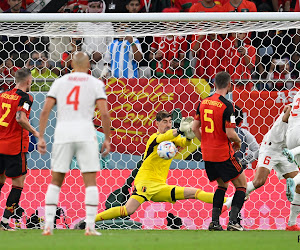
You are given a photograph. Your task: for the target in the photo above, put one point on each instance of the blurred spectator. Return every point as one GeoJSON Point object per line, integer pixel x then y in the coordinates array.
{"type": "Point", "coordinates": [168, 54]}
{"type": "Point", "coordinates": [264, 5]}
{"type": "Point", "coordinates": [280, 69]}
{"type": "Point", "coordinates": [239, 6]}
{"type": "Point", "coordinates": [115, 6]}
{"type": "Point", "coordinates": [122, 58]}
{"type": "Point", "coordinates": [249, 147]}
{"type": "Point", "coordinates": [66, 59]}
{"type": "Point", "coordinates": [281, 5]}
{"type": "Point", "coordinates": [209, 52]}
{"type": "Point", "coordinates": [296, 65]}
{"type": "Point", "coordinates": [155, 5]}
{"type": "Point", "coordinates": [76, 6]}
{"type": "Point", "coordinates": [133, 6]}
{"type": "Point", "coordinates": [239, 59]}
{"type": "Point", "coordinates": [96, 47]}
{"type": "Point", "coordinates": [8, 70]}
{"type": "Point", "coordinates": [16, 6]}
{"type": "Point", "coordinates": [297, 6]}
{"type": "Point", "coordinates": [184, 5]}
{"type": "Point", "coordinates": [41, 69]}
{"type": "Point", "coordinates": [206, 6]}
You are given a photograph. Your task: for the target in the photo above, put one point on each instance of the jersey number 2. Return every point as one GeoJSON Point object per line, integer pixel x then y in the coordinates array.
{"type": "Point", "coordinates": [73, 96]}
{"type": "Point", "coordinates": [211, 128]}
{"type": "Point", "coordinates": [6, 106]}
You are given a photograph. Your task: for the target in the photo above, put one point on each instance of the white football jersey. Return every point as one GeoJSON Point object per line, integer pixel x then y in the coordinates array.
{"type": "Point", "coordinates": [76, 94]}
{"type": "Point", "coordinates": [277, 134]}
{"type": "Point", "coordinates": [294, 119]}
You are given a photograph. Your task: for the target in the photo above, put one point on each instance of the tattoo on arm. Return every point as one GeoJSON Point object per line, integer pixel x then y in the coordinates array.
{"type": "Point", "coordinates": [18, 115]}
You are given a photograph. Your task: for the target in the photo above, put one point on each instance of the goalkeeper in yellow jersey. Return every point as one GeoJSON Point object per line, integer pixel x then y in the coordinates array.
{"type": "Point", "coordinates": [150, 182]}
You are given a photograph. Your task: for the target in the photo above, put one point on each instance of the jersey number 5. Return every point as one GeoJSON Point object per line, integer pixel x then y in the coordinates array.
{"type": "Point", "coordinates": [73, 96]}
{"type": "Point", "coordinates": [6, 106]}
{"type": "Point", "coordinates": [211, 127]}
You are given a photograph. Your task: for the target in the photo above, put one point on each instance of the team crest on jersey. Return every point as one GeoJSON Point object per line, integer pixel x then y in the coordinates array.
{"type": "Point", "coordinates": [144, 189]}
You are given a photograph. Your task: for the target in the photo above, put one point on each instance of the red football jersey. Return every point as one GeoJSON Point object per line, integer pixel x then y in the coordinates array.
{"type": "Point", "coordinates": [199, 7]}
{"type": "Point", "coordinates": [245, 6]}
{"type": "Point", "coordinates": [184, 5]}
{"type": "Point", "coordinates": [13, 138]}
{"type": "Point", "coordinates": [216, 114]}
{"type": "Point", "coordinates": [235, 64]}
{"type": "Point", "coordinates": [209, 57]}
{"type": "Point", "coordinates": [171, 47]}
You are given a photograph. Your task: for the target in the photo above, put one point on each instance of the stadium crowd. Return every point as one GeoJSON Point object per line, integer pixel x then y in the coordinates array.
{"type": "Point", "coordinates": [251, 58]}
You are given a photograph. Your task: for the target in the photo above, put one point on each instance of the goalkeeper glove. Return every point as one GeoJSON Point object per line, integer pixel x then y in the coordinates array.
{"type": "Point", "coordinates": [186, 127]}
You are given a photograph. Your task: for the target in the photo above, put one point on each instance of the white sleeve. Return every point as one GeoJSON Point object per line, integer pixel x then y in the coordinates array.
{"type": "Point", "coordinates": [53, 89]}
{"type": "Point", "coordinates": [138, 45]}
{"type": "Point", "coordinates": [253, 148]}
{"type": "Point", "coordinates": [100, 90]}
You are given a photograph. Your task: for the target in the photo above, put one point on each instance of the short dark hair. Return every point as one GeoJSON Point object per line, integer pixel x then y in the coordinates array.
{"type": "Point", "coordinates": [128, 1]}
{"type": "Point", "coordinates": [22, 74]}
{"type": "Point", "coordinates": [238, 113]}
{"type": "Point", "coordinates": [162, 115]}
{"type": "Point", "coordinates": [222, 79]}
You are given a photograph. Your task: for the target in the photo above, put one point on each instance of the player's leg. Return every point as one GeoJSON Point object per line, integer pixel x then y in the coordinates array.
{"type": "Point", "coordinates": [61, 158]}
{"type": "Point", "coordinates": [130, 207]}
{"type": "Point", "coordinates": [295, 205]}
{"type": "Point", "coordinates": [16, 168]}
{"type": "Point", "coordinates": [2, 182]}
{"type": "Point", "coordinates": [2, 170]}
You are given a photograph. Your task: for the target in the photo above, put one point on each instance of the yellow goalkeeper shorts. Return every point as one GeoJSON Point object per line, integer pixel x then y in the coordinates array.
{"type": "Point", "coordinates": [158, 192]}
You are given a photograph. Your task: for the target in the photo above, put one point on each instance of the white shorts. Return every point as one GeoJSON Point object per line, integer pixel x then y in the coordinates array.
{"type": "Point", "coordinates": [271, 158]}
{"type": "Point", "coordinates": [86, 153]}
{"type": "Point", "coordinates": [293, 140]}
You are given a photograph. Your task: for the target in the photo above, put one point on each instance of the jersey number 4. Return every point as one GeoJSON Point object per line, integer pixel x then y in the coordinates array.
{"type": "Point", "coordinates": [211, 127]}
{"type": "Point", "coordinates": [7, 108]}
{"type": "Point", "coordinates": [72, 98]}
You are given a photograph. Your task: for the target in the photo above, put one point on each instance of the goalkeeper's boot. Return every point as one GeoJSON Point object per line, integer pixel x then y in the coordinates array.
{"type": "Point", "coordinates": [5, 227]}
{"type": "Point", "coordinates": [80, 225]}
{"type": "Point", "coordinates": [47, 231]}
{"type": "Point", "coordinates": [234, 226]}
{"type": "Point", "coordinates": [91, 232]}
{"type": "Point", "coordinates": [292, 228]}
{"type": "Point", "coordinates": [227, 204]}
{"type": "Point", "coordinates": [215, 226]}
{"type": "Point", "coordinates": [289, 155]}
{"type": "Point", "coordinates": [290, 189]}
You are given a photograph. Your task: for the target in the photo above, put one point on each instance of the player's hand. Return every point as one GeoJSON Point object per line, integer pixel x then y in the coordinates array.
{"type": "Point", "coordinates": [236, 146]}
{"type": "Point", "coordinates": [105, 149]}
{"type": "Point", "coordinates": [186, 127]}
{"type": "Point", "coordinates": [42, 145]}
{"type": "Point", "coordinates": [36, 134]}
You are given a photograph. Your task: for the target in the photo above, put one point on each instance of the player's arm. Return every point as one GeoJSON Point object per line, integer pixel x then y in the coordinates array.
{"type": "Point", "coordinates": [21, 118]}
{"type": "Point", "coordinates": [233, 137]}
{"type": "Point", "coordinates": [287, 111]}
{"type": "Point", "coordinates": [229, 120]}
{"type": "Point", "coordinates": [49, 104]}
{"type": "Point", "coordinates": [253, 148]}
{"type": "Point", "coordinates": [105, 118]}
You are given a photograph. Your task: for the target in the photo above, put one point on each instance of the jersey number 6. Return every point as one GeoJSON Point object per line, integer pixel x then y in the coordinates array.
{"type": "Point", "coordinates": [73, 96]}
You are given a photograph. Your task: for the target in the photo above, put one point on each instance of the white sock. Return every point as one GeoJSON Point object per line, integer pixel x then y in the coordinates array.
{"type": "Point", "coordinates": [294, 210]}
{"type": "Point", "coordinates": [91, 205]}
{"type": "Point", "coordinates": [228, 202]}
{"type": "Point", "coordinates": [250, 187]}
{"type": "Point", "coordinates": [297, 179]}
{"type": "Point", "coordinates": [51, 201]}
{"type": "Point", "coordinates": [295, 151]}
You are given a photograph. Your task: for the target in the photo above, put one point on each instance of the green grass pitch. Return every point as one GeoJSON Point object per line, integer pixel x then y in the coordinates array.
{"type": "Point", "coordinates": [150, 239]}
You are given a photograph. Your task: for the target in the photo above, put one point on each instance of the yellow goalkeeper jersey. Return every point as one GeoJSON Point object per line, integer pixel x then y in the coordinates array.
{"type": "Point", "coordinates": [155, 168]}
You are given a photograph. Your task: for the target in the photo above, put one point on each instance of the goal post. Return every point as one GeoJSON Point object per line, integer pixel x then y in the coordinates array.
{"type": "Point", "coordinates": [200, 45]}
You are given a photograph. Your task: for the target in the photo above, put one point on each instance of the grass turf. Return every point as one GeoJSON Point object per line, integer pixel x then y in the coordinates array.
{"type": "Point", "coordinates": [150, 239]}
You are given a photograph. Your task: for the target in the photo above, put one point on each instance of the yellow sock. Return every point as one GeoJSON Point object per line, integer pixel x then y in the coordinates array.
{"type": "Point", "coordinates": [205, 196]}
{"type": "Point", "coordinates": [112, 213]}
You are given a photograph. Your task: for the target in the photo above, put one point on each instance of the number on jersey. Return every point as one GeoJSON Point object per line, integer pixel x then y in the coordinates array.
{"type": "Point", "coordinates": [72, 98]}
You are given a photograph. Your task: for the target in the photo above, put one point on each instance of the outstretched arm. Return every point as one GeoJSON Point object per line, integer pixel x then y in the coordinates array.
{"type": "Point", "coordinates": [24, 123]}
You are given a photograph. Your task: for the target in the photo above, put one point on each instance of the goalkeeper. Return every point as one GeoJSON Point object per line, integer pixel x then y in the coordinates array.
{"type": "Point", "coordinates": [150, 182]}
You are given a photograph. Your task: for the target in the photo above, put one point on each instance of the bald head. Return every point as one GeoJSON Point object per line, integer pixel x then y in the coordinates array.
{"type": "Point", "coordinates": [80, 62]}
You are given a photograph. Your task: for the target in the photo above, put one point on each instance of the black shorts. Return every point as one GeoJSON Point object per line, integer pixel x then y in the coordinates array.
{"type": "Point", "coordinates": [13, 166]}
{"type": "Point", "coordinates": [226, 170]}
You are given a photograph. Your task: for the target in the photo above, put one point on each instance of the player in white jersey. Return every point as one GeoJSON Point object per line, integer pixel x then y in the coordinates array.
{"type": "Point", "coordinates": [292, 152]}
{"type": "Point", "coordinates": [270, 157]}
{"type": "Point", "coordinates": [75, 95]}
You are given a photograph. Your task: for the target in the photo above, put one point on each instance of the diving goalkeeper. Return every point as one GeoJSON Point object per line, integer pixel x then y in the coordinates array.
{"type": "Point", "coordinates": [150, 182]}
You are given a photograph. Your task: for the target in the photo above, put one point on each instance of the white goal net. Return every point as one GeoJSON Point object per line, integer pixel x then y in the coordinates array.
{"type": "Point", "coordinates": [153, 62]}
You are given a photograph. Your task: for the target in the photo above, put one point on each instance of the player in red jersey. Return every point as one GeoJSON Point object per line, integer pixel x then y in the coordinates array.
{"type": "Point", "coordinates": [15, 107]}
{"type": "Point", "coordinates": [239, 6]}
{"type": "Point", "coordinates": [206, 6]}
{"type": "Point", "coordinates": [214, 126]}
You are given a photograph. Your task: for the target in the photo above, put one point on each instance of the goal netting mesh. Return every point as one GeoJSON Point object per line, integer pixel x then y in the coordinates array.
{"type": "Point", "coordinates": [156, 61]}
